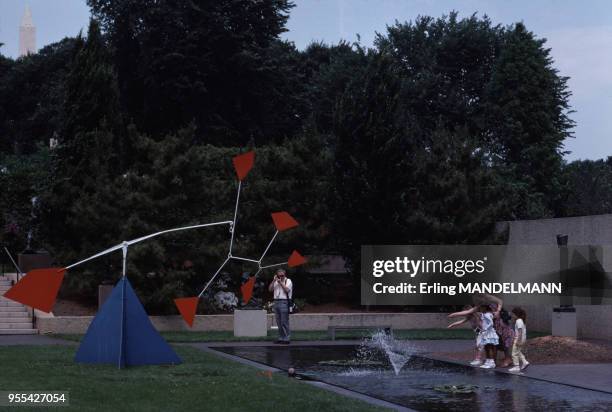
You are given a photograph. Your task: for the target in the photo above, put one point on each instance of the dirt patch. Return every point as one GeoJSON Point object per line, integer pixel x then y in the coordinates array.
{"type": "Point", "coordinates": [552, 350]}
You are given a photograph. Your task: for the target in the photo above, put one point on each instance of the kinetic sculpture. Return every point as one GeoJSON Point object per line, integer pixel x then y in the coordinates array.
{"type": "Point", "coordinates": [282, 221]}
{"type": "Point", "coordinates": [121, 333]}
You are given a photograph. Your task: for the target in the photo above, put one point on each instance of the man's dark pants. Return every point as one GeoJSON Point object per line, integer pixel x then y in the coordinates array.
{"type": "Point", "coordinates": [281, 310]}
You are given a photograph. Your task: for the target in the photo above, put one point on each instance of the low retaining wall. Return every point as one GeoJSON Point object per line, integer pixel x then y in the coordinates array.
{"type": "Point", "coordinates": [299, 321]}
{"type": "Point", "coordinates": [594, 322]}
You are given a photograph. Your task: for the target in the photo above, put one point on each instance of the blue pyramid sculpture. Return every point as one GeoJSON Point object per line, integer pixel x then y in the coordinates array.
{"type": "Point", "coordinates": [122, 334]}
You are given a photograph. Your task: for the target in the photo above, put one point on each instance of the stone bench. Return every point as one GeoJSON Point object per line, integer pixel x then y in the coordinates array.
{"type": "Point", "coordinates": [331, 330]}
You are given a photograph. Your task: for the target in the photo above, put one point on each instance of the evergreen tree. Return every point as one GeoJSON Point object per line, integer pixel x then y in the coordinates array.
{"type": "Point", "coordinates": [22, 179]}
{"type": "Point", "coordinates": [587, 188]}
{"type": "Point", "coordinates": [5, 67]}
{"type": "Point", "coordinates": [32, 96]}
{"type": "Point", "coordinates": [373, 161]}
{"type": "Point", "coordinates": [399, 184]}
{"type": "Point", "coordinates": [445, 64]}
{"type": "Point", "coordinates": [327, 71]}
{"type": "Point", "coordinates": [91, 104]}
{"type": "Point", "coordinates": [219, 64]}
{"type": "Point", "coordinates": [499, 85]}
{"type": "Point", "coordinates": [89, 156]}
{"type": "Point", "coordinates": [527, 121]}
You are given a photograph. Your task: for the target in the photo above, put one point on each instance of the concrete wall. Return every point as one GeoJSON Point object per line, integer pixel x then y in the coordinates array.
{"type": "Point", "coordinates": [299, 321]}
{"type": "Point", "coordinates": [582, 230]}
{"type": "Point", "coordinates": [594, 322]}
{"type": "Point", "coordinates": [539, 317]}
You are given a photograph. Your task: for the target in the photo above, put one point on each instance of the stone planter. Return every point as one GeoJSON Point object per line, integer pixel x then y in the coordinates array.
{"type": "Point", "coordinates": [564, 322]}
{"type": "Point", "coordinates": [250, 323]}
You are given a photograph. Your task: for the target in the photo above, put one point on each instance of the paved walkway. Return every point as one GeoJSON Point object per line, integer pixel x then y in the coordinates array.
{"type": "Point", "coordinates": [597, 376]}
{"type": "Point", "coordinates": [594, 376]}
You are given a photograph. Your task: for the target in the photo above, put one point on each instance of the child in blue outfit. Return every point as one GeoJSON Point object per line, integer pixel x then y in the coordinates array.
{"type": "Point", "coordinates": [488, 336]}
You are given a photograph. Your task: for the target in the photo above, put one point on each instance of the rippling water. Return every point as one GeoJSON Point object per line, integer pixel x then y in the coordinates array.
{"type": "Point", "coordinates": [419, 384]}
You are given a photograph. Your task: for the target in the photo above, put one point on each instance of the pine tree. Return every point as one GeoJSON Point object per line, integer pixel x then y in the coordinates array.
{"type": "Point", "coordinates": [90, 155]}
{"type": "Point", "coordinates": [219, 64]}
{"type": "Point", "coordinates": [91, 104]}
{"type": "Point", "coordinates": [527, 121]}
{"type": "Point", "coordinates": [587, 188]}
{"type": "Point", "coordinates": [372, 161]}
{"type": "Point", "coordinates": [397, 183]}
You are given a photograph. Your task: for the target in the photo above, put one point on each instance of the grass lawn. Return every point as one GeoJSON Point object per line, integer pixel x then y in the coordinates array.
{"type": "Point", "coordinates": [202, 382]}
{"type": "Point", "coordinates": [228, 336]}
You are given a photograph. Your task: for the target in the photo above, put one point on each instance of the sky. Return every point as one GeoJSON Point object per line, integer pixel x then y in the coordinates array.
{"type": "Point", "coordinates": [578, 32]}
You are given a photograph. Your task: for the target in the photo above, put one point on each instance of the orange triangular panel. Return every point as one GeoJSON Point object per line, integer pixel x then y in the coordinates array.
{"type": "Point", "coordinates": [187, 308]}
{"type": "Point", "coordinates": [38, 288]}
{"type": "Point", "coordinates": [283, 221]}
{"type": "Point", "coordinates": [243, 164]}
{"type": "Point", "coordinates": [296, 259]}
{"type": "Point", "coordinates": [247, 289]}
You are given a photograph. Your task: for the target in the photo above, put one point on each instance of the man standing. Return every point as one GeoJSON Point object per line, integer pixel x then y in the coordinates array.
{"type": "Point", "coordinates": [282, 288]}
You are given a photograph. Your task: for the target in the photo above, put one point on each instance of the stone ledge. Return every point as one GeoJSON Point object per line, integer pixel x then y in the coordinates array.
{"type": "Point", "coordinates": [299, 321]}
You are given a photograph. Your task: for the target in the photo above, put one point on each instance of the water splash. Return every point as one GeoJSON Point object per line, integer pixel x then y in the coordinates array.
{"type": "Point", "coordinates": [356, 372]}
{"type": "Point", "coordinates": [398, 352]}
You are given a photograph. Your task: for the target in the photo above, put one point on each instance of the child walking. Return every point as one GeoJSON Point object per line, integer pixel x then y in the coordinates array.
{"type": "Point", "coordinates": [488, 336]}
{"type": "Point", "coordinates": [520, 336]}
{"type": "Point", "coordinates": [474, 319]}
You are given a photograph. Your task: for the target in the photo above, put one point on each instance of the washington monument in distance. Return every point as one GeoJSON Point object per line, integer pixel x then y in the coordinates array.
{"type": "Point", "coordinates": [27, 34]}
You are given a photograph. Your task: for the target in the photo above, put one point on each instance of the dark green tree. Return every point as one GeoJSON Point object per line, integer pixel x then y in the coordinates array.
{"type": "Point", "coordinates": [445, 64]}
{"type": "Point", "coordinates": [5, 68]}
{"type": "Point", "coordinates": [372, 161]}
{"type": "Point", "coordinates": [499, 85]}
{"type": "Point", "coordinates": [90, 155]}
{"type": "Point", "coordinates": [399, 184]}
{"type": "Point", "coordinates": [32, 96]}
{"type": "Point", "coordinates": [527, 106]}
{"type": "Point", "coordinates": [219, 64]}
{"type": "Point", "coordinates": [22, 178]}
{"type": "Point", "coordinates": [327, 70]}
{"type": "Point", "coordinates": [587, 188]}
{"type": "Point", "coordinates": [91, 103]}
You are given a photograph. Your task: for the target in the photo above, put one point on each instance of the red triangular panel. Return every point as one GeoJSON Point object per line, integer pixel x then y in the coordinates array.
{"type": "Point", "coordinates": [296, 259]}
{"type": "Point", "coordinates": [187, 308]}
{"type": "Point", "coordinates": [247, 289]}
{"type": "Point", "coordinates": [38, 288]}
{"type": "Point", "coordinates": [283, 221]}
{"type": "Point", "coordinates": [243, 164]}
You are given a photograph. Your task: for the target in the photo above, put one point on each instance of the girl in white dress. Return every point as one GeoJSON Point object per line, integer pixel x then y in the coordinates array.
{"type": "Point", "coordinates": [473, 316]}
{"type": "Point", "coordinates": [488, 336]}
